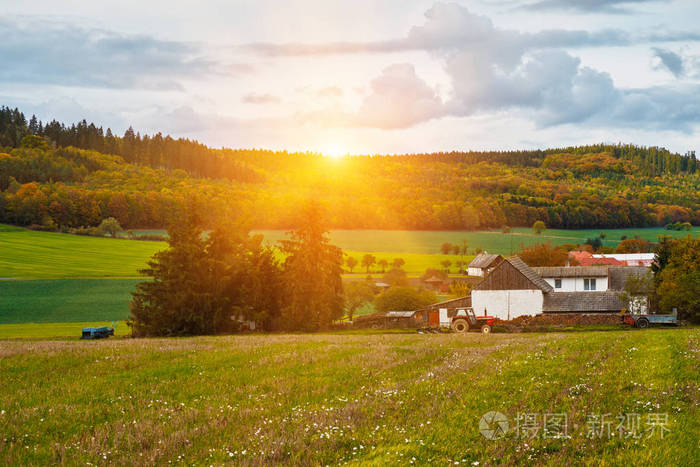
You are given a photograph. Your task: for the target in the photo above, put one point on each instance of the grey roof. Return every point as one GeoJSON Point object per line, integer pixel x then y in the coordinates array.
{"type": "Point", "coordinates": [483, 260]}
{"type": "Point", "coordinates": [528, 272]}
{"type": "Point", "coordinates": [400, 314]}
{"type": "Point", "coordinates": [572, 271]}
{"type": "Point", "coordinates": [581, 302]}
{"type": "Point", "coordinates": [618, 275]}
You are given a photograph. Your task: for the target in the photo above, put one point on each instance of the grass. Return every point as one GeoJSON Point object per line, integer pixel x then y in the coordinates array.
{"type": "Point", "coordinates": [378, 399]}
{"type": "Point", "coordinates": [65, 300]}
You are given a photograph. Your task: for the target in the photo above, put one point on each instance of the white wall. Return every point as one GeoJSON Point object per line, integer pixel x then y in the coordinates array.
{"type": "Point", "coordinates": [475, 272]}
{"type": "Point", "coordinates": [575, 284]}
{"type": "Point", "coordinates": [507, 304]}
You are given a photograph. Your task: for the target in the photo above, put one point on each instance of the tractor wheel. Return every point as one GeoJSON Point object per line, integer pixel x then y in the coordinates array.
{"type": "Point", "coordinates": [642, 323]}
{"type": "Point", "coordinates": [486, 329]}
{"type": "Point", "coordinates": [460, 325]}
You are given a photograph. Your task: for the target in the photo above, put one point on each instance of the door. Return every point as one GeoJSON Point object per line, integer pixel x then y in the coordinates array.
{"type": "Point", "coordinates": [433, 318]}
{"type": "Point", "coordinates": [444, 319]}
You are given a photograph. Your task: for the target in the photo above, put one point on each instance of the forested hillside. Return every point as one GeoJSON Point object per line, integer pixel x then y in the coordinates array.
{"type": "Point", "coordinates": [55, 176]}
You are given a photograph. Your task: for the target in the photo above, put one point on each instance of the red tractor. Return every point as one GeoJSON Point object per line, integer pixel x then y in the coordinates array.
{"type": "Point", "coordinates": [465, 320]}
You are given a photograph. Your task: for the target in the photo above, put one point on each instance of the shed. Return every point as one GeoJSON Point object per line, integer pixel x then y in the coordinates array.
{"type": "Point", "coordinates": [442, 312]}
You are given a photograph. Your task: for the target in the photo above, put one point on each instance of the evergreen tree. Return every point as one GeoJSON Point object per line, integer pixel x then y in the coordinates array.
{"type": "Point", "coordinates": [312, 274]}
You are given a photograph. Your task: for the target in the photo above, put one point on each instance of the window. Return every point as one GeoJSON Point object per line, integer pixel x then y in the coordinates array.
{"type": "Point", "coordinates": [557, 283]}
{"type": "Point", "coordinates": [589, 284]}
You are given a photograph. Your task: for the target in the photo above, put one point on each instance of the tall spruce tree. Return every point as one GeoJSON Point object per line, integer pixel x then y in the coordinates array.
{"type": "Point", "coordinates": [312, 269]}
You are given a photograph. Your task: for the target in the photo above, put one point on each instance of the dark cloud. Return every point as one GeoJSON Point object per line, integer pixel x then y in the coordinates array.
{"type": "Point", "coordinates": [62, 54]}
{"type": "Point", "coordinates": [253, 98]}
{"type": "Point", "coordinates": [588, 6]}
{"type": "Point", "coordinates": [669, 60]}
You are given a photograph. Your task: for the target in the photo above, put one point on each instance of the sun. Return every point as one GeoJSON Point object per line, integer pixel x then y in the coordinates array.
{"type": "Point", "coordinates": [335, 152]}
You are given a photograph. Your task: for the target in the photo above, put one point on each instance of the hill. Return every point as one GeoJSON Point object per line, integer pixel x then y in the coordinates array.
{"type": "Point", "coordinates": [57, 177]}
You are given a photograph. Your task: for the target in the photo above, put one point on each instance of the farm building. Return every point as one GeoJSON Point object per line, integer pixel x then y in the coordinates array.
{"type": "Point", "coordinates": [586, 258]}
{"type": "Point", "coordinates": [514, 289]}
{"type": "Point", "coordinates": [440, 314]}
{"type": "Point", "coordinates": [483, 263]}
{"type": "Point", "coordinates": [575, 278]}
{"type": "Point", "coordinates": [510, 290]}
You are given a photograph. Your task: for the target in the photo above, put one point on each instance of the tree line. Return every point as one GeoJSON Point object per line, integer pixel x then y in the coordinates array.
{"type": "Point", "coordinates": [44, 181]}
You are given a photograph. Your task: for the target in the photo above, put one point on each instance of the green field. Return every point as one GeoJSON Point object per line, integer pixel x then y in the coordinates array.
{"type": "Point", "coordinates": [26, 254]}
{"type": "Point", "coordinates": [407, 241]}
{"type": "Point", "coordinates": [65, 300]}
{"type": "Point", "coordinates": [361, 399]}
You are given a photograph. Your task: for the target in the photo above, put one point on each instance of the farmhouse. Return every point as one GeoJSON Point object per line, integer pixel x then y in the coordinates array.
{"type": "Point", "coordinates": [483, 263]}
{"type": "Point", "coordinates": [514, 289]}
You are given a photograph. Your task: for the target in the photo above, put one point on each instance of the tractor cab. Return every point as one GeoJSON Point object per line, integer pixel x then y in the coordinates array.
{"type": "Point", "coordinates": [465, 320]}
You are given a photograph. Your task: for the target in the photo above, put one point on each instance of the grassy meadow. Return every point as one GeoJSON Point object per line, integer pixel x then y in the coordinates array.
{"type": "Point", "coordinates": [377, 399]}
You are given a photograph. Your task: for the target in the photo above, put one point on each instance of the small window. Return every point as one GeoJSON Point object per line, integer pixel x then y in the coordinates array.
{"type": "Point", "coordinates": [557, 283]}
{"type": "Point", "coordinates": [589, 284]}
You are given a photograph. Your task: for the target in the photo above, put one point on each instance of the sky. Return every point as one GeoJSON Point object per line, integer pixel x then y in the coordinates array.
{"type": "Point", "coordinates": [360, 76]}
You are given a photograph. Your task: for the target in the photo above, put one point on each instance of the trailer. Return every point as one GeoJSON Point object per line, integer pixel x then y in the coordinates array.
{"type": "Point", "coordinates": [97, 333]}
{"type": "Point", "coordinates": [643, 321]}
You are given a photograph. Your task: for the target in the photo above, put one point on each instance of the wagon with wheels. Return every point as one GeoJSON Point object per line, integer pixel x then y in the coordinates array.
{"type": "Point", "coordinates": [643, 321]}
{"type": "Point", "coordinates": [466, 320]}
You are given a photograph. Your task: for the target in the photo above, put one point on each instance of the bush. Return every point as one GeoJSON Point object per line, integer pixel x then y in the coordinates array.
{"type": "Point", "coordinates": [404, 299]}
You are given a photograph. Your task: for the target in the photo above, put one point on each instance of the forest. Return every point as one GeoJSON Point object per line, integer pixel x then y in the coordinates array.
{"type": "Point", "coordinates": [54, 177]}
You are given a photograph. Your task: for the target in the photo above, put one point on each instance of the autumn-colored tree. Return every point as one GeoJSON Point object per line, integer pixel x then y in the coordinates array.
{"type": "Point", "coordinates": [398, 263]}
{"type": "Point", "coordinates": [538, 227]}
{"type": "Point", "coordinates": [543, 254]}
{"type": "Point", "coordinates": [382, 263]}
{"type": "Point", "coordinates": [633, 245]}
{"type": "Point", "coordinates": [445, 248]}
{"type": "Point", "coordinates": [446, 264]}
{"type": "Point", "coordinates": [677, 275]}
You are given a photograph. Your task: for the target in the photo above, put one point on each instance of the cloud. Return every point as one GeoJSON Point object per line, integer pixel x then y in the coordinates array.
{"type": "Point", "coordinates": [399, 99]}
{"type": "Point", "coordinates": [449, 26]}
{"type": "Point", "coordinates": [587, 6]}
{"type": "Point", "coordinates": [669, 60]}
{"type": "Point", "coordinates": [253, 98]}
{"type": "Point", "coordinates": [42, 52]}
{"type": "Point", "coordinates": [503, 72]}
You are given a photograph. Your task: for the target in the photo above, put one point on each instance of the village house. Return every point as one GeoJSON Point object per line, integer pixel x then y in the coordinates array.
{"type": "Point", "coordinates": [514, 289]}
{"type": "Point", "coordinates": [483, 263]}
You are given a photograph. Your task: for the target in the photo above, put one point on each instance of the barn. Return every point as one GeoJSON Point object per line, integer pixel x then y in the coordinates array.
{"type": "Point", "coordinates": [510, 290]}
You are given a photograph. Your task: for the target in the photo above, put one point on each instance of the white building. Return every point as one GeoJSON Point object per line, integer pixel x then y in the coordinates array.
{"type": "Point", "coordinates": [575, 278]}
{"type": "Point", "coordinates": [514, 289]}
